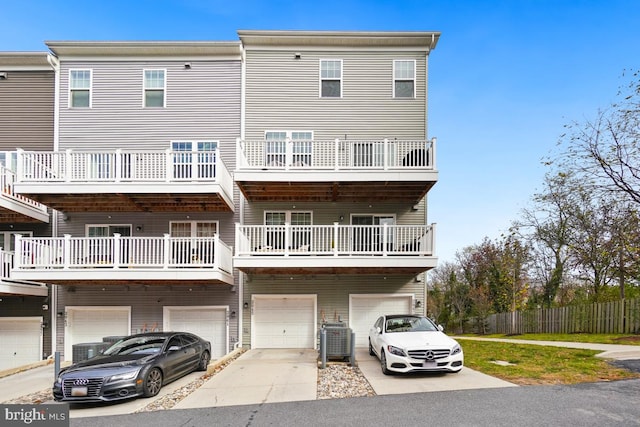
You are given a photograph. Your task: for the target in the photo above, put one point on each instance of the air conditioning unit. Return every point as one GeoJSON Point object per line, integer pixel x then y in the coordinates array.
{"type": "Point", "coordinates": [338, 340]}
{"type": "Point", "coordinates": [87, 350]}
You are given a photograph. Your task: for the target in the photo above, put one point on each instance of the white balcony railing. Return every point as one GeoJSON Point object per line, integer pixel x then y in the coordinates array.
{"type": "Point", "coordinates": [122, 252]}
{"type": "Point", "coordinates": [338, 154]}
{"type": "Point", "coordinates": [6, 263]}
{"type": "Point", "coordinates": [335, 240]}
{"type": "Point", "coordinates": [7, 181]}
{"type": "Point", "coordinates": [122, 166]}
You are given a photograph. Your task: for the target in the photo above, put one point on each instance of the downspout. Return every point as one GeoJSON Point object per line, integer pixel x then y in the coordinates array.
{"type": "Point", "coordinates": [241, 196]}
{"type": "Point", "coordinates": [53, 306]}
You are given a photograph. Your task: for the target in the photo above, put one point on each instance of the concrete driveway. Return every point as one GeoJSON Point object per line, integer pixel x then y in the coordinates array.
{"type": "Point", "coordinates": [260, 376]}
{"type": "Point", "coordinates": [422, 382]}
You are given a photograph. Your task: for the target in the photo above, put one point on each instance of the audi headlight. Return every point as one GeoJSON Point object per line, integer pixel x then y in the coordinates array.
{"type": "Point", "coordinates": [129, 375]}
{"type": "Point", "coordinates": [396, 350]}
{"type": "Point", "coordinates": [456, 349]}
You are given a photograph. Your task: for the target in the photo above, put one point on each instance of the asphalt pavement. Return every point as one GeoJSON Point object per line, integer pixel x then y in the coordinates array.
{"type": "Point", "coordinates": [259, 377]}
{"type": "Point", "coordinates": [614, 403]}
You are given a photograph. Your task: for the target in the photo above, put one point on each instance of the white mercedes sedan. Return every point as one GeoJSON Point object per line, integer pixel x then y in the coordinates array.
{"type": "Point", "coordinates": [411, 343]}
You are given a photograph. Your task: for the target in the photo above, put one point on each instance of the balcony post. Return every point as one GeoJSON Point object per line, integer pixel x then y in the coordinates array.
{"type": "Point", "coordinates": [287, 238]}
{"type": "Point", "coordinates": [68, 166]}
{"type": "Point", "coordinates": [336, 161]}
{"type": "Point", "coordinates": [167, 250]}
{"type": "Point", "coordinates": [385, 238]}
{"type": "Point", "coordinates": [216, 251]}
{"type": "Point", "coordinates": [335, 241]}
{"type": "Point", "coordinates": [385, 154]}
{"type": "Point", "coordinates": [118, 165]}
{"type": "Point", "coordinates": [17, 259]}
{"type": "Point", "coordinates": [20, 158]}
{"type": "Point", "coordinates": [432, 153]}
{"type": "Point", "coordinates": [433, 239]}
{"type": "Point", "coordinates": [239, 162]}
{"type": "Point", "coordinates": [168, 174]}
{"type": "Point", "coordinates": [288, 153]}
{"type": "Point", "coordinates": [66, 251]}
{"type": "Point", "coordinates": [116, 250]}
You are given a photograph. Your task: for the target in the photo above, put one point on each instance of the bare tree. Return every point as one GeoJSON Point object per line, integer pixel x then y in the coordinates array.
{"type": "Point", "coordinates": [605, 150]}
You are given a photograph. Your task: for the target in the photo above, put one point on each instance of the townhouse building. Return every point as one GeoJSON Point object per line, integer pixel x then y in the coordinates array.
{"type": "Point", "coordinates": [334, 164]}
{"type": "Point", "coordinates": [26, 121]}
{"type": "Point", "coordinates": [247, 191]}
{"type": "Point", "coordinates": [140, 182]}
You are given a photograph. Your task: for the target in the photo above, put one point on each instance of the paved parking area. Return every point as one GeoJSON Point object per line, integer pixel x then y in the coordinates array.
{"type": "Point", "coordinates": [260, 376]}
{"type": "Point", "coordinates": [422, 382]}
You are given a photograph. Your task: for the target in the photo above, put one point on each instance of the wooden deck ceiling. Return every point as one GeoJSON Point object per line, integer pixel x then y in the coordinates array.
{"type": "Point", "coordinates": [396, 191]}
{"type": "Point", "coordinates": [143, 202]}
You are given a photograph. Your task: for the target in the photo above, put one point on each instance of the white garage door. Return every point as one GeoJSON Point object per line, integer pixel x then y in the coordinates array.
{"type": "Point", "coordinates": [21, 339]}
{"type": "Point", "coordinates": [364, 310]}
{"type": "Point", "coordinates": [283, 321]}
{"type": "Point", "coordinates": [91, 324]}
{"type": "Point", "coordinates": [208, 322]}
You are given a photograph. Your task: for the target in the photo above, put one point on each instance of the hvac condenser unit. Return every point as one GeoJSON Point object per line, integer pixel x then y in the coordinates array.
{"type": "Point", "coordinates": [87, 350]}
{"type": "Point", "coordinates": [338, 340]}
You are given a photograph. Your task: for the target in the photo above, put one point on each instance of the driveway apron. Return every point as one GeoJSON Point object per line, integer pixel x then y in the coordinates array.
{"type": "Point", "coordinates": [260, 376]}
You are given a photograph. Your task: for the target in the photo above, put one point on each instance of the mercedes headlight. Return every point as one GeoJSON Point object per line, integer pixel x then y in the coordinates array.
{"type": "Point", "coordinates": [396, 350]}
{"type": "Point", "coordinates": [456, 349]}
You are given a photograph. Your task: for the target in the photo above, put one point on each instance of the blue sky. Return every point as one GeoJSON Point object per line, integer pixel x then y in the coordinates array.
{"type": "Point", "coordinates": [504, 78]}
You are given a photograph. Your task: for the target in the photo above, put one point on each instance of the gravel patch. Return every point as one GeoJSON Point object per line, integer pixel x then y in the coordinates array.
{"type": "Point", "coordinates": [339, 381]}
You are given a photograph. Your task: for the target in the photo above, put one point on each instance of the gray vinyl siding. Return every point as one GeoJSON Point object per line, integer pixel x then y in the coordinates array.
{"type": "Point", "coordinates": [202, 103]}
{"type": "Point", "coordinates": [283, 94]}
{"type": "Point", "coordinates": [156, 224]}
{"type": "Point", "coordinates": [27, 110]}
{"type": "Point", "coordinates": [328, 213]}
{"type": "Point", "coordinates": [147, 303]}
{"type": "Point", "coordinates": [332, 290]}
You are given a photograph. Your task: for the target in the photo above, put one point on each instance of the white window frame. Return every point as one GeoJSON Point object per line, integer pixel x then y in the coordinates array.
{"type": "Point", "coordinates": [306, 153]}
{"type": "Point", "coordinates": [375, 240]}
{"type": "Point", "coordinates": [145, 88]}
{"type": "Point", "coordinates": [191, 159]}
{"type": "Point", "coordinates": [10, 237]}
{"type": "Point", "coordinates": [339, 79]}
{"type": "Point", "coordinates": [72, 89]}
{"type": "Point", "coordinates": [287, 220]}
{"type": "Point", "coordinates": [89, 226]}
{"type": "Point", "coordinates": [403, 78]}
{"type": "Point", "coordinates": [9, 160]}
{"type": "Point", "coordinates": [194, 225]}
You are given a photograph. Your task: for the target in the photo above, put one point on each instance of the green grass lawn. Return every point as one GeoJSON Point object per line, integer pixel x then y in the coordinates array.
{"type": "Point", "coordinates": [592, 338]}
{"type": "Point", "coordinates": [528, 364]}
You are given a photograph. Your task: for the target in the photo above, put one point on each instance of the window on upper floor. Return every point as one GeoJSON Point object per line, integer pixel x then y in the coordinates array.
{"type": "Point", "coordinates": [404, 78]}
{"type": "Point", "coordinates": [154, 88]}
{"type": "Point", "coordinates": [80, 88]}
{"type": "Point", "coordinates": [331, 78]}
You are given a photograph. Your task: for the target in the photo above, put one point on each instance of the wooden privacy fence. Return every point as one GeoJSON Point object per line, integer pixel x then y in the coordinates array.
{"type": "Point", "coordinates": [617, 317]}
